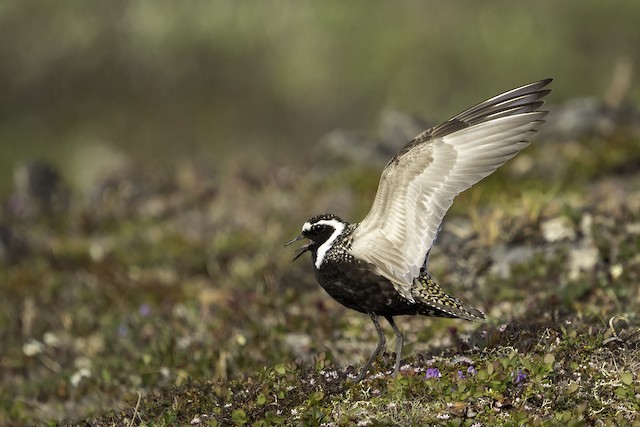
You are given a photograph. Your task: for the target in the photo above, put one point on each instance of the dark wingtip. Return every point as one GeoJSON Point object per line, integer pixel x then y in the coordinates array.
{"type": "Point", "coordinates": [542, 83]}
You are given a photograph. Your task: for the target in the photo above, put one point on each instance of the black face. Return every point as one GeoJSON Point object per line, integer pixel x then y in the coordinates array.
{"type": "Point", "coordinates": [318, 233]}
{"type": "Point", "coordinates": [318, 229]}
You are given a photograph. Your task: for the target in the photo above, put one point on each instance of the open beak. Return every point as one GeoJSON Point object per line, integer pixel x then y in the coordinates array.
{"type": "Point", "coordinates": [300, 250]}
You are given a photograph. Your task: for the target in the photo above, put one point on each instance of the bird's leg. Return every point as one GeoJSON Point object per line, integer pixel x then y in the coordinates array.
{"type": "Point", "coordinates": [399, 343]}
{"type": "Point", "coordinates": [382, 341]}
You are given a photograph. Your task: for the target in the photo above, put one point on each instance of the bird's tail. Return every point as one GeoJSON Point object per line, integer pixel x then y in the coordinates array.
{"type": "Point", "coordinates": [435, 302]}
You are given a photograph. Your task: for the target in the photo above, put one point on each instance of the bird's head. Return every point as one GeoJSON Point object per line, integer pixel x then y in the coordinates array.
{"type": "Point", "coordinates": [319, 230]}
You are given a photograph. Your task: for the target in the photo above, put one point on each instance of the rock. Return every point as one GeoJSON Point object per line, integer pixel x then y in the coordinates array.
{"type": "Point", "coordinates": [557, 229]}
{"type": "Point", "coordinates": [503, 258]}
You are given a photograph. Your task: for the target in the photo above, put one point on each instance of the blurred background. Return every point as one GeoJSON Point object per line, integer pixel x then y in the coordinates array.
{"type": "Point", "coordinates": [87, 83]}
{"type": "Point", "coordinates": [156, 155]}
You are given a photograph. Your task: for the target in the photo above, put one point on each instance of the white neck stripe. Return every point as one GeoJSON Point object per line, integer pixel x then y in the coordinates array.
{"type": "Point", "coordinates": [324, 248]}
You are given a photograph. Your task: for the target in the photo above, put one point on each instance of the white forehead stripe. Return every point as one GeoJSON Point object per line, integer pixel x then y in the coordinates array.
{"type": "Point", "coordinates": [322, 250]}
{"type": "Point", "coordinates": [306, 226]}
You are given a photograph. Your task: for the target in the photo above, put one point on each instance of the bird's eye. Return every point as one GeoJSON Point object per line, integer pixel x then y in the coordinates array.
{"type": "Point", "coordinates": [317, 227]}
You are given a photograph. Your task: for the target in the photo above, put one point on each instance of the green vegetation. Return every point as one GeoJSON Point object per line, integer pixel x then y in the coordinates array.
{"type": "Point", "coordinates": [147, 284]}
{"type": "Point", "coordinates": [170, 300]}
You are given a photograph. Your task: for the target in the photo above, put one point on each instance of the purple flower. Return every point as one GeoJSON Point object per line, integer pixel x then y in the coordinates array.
{"type": "Point", "coordinates": [470, 370]}
{"type": "Point", "coordinates": [144, 310]}
{"type": "Point", "coordinates": [520, 376]}
{"type": "Point", "coordinates": [123, 331]}
{"type": "Point", "coordinates": [433, 373]}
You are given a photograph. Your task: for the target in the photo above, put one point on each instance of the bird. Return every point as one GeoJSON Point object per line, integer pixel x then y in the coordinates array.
{"type": "Point", "coordinates": [378, 266]}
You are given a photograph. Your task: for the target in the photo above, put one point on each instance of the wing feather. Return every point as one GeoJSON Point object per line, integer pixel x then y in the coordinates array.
{"type": "Point", "coordinates": [419, 184]}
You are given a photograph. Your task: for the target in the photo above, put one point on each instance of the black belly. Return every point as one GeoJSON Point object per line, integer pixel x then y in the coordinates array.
{"type": "Point", "coordinates": [364, 291]}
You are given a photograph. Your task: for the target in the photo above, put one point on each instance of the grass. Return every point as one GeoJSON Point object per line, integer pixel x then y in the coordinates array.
{"type": "Point", "coordinates": [168, 299]}
{"type": "Point", "coordinates": [160, 294]}
{"type": "Point", "coordinates": [569, 373]}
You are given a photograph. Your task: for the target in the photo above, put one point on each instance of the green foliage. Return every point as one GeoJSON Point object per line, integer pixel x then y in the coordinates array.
{"type": "Point", "coordinates": [165, 300]}
{"type": "Point", "coordinates": [205, 321]}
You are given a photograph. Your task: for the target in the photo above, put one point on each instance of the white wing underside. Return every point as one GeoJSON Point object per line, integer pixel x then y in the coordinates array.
{"type": "Point", "coordinates": [418, 186]}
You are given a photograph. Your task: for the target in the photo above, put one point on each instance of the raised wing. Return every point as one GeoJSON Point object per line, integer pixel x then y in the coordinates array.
{"type": "Point", "coordinates": [419, 184]}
